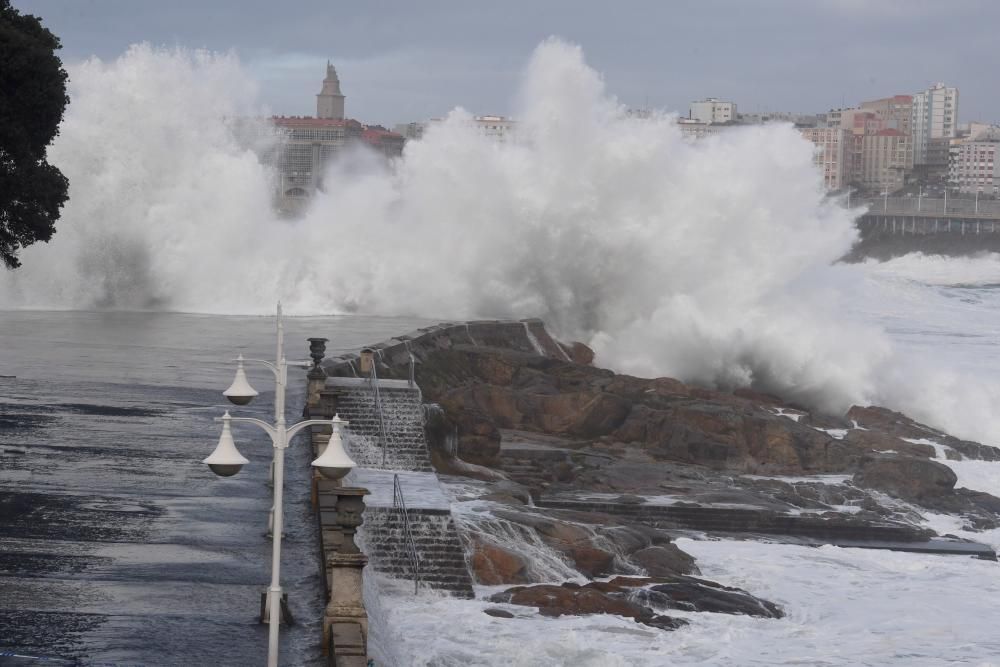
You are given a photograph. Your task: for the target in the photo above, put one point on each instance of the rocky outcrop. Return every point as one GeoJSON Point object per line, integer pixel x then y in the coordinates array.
{"type": "Point", "coordinates": [492, 564]}
{"type": "Point", "coordinates": [575, 600]}
{"type": "Point", "coordinates": [909, 478]}
{"type": "Point", "coordinates": [640, 599]}
{"type": "Point", "coordinates": [507, 397]}
{"type": "Point", "coordinates": [897, 424]}
{"type": "Point", "coordinates": [663, 560]}
{"type": "Point", "coordinates": [690, 594]}
{"type": "Point", "coordinates": [591, 543]}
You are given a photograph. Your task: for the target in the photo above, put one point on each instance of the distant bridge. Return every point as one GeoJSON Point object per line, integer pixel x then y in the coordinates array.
{"type": "Point", "coordinates": [894, 226]}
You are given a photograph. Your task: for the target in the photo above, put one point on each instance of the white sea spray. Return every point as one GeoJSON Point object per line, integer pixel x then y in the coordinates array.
{"type": "Point", "coordinates": [711, 261]}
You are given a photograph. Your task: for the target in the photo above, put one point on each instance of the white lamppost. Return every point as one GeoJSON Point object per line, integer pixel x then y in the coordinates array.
{"type": "Point", "coordinates": [978, 190]}
{"type": "Point", "coordinates": [226, 461]}
{"type": "Point", "coordinates": [885, 200]}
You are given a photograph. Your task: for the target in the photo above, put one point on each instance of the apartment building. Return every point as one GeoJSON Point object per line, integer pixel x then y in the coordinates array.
{"type": "Point", "coordinates": [832, 155]}
{"type": "Point", "coordinates": [934, 124]}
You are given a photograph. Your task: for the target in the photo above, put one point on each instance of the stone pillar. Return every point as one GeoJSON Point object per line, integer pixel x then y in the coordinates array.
{"type": "Point", "coordinates": [316, 376]}
{"type": "Point", "coordinates": [345, 619]}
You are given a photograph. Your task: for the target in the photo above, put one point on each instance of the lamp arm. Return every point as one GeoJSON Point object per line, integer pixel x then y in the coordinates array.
{"type": "Point", "coordinates": [274, 369]}
{"type": "Point", "coordinates": [271, 431]}
{"type": "Point", "coordinates": [295, 428]}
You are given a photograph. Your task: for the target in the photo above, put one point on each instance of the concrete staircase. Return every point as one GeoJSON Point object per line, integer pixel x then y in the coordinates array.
{"type": "Point", "coordinates": [402, 412]}
{"type": "Point", "coordinates": [439, 551]}
{"type": "Point", "coordinates": [532, 473]}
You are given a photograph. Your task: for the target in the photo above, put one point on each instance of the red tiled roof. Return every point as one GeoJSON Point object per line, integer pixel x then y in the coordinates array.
{"type": "Point", "coordinates": [890, 132]}
{"type": "Point", "coordinates": [372, 134]}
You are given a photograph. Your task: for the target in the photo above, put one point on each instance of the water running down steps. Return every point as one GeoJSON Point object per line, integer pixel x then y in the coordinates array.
{"type": "Point", "coordinates": [403, 417]}
{"type": "Point", "coordinates": [384, 532]}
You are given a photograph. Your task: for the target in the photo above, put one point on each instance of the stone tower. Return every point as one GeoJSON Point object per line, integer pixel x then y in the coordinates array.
{"type": "Point", "coordinates": [330, 101]}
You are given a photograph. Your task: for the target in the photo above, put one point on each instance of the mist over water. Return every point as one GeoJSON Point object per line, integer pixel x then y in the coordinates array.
{"type": "Point", "coordinates": [711, 261]}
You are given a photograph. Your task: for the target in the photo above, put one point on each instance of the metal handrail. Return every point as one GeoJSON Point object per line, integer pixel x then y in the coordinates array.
{"type": "Point", "coordinates": [399, 504]}
{"type": "Point", "coordinates": [412, 362]}
{"type": "Point", "coordinates": [373, 378]}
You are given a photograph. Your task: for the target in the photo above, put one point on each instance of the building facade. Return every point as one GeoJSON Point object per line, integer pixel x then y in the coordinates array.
{"type": "Point", "coordinates": [934, 124]}
{"type": "Point", "coordinates": [712, 110]}
{"type": "Point", "coordinates": [832, 156]}
{"type": "Point", "coordinates": [974, 165]}
{"type": "Point", "coordinates": [498, 128]}
{"type": "Point", "coordinates": [883, 159]}
{"type": "Point", "coordinates": [696, 129]}
{"type": "Point", "coordinates": [306, 145]}
{"type": "Point", "coordinates": [895, 113]}
{"type": "Point", "coordinates": [388, 143]}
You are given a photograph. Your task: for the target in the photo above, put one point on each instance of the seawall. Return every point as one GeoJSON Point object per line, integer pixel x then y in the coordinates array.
{"type": "Point", "coordinates": [528, 335]}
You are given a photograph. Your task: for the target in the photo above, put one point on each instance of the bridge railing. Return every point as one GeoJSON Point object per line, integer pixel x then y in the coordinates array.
{"type": "Point", "coordinates": [926, 206]}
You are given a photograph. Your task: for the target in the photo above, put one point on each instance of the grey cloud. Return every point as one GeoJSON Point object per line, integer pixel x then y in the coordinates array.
{"type": "Point", "coordinates": [407, 60]}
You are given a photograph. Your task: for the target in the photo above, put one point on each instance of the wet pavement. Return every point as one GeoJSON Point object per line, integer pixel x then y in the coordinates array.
{"type": "Point", "coordinates": [117, 545]}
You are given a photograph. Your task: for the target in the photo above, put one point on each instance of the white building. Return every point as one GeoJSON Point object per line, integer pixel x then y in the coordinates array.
{"type": "Point", "coordinates": [498, 128]}
{"type": "Point", "coordinates": [833, 154]}
{"type": "Point", "coordinates": [696, 129]}
{"type": "Point", "coordinates": [712, 110]}
{"type": "Point", "coordinates": [975, 163]}
{"type": "Point", "coordinates": [935, 121]}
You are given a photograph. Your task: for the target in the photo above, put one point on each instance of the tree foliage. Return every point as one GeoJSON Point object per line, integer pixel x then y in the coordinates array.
{"type": "Point", "coordinates": [32, 100]}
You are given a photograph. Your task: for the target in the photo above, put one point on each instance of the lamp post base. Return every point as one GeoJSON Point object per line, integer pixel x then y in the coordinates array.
{"type": "Point", "coordinates": [265, 610]}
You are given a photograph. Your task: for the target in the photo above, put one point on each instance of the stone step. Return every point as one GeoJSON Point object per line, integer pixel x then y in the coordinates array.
{"type": "Point", "coordinates": [429, 548]}
{"type": "Point", "coordinates": [426, 574]}
{"type": "Point", "coordinates": [386, 553]}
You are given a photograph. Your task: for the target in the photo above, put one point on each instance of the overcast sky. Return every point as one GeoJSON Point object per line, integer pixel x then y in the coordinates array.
{"type": "Point", "coordinates": [414, 59]}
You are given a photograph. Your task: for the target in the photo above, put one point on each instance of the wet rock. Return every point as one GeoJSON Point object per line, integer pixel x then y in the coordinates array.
{"type": "Point", "coordinates": [574, 600]}
{"type": "Point", "coordinates": [498, 613]}
{"type": "Point", "coordinates": [451, 465]}
{"type": "Point", "coordinates": [578, 543]}
{"type": "Point", "coordinates": [492, 564]}
{"type": "Point", "coordinates": [664, 560]}
{"type": "Point", "coordinates": [580, 353]}
{"type": "Point", "coordinates": [508, 492]}
{"type": "Point", "coordinates": [564, 472]}
{"type": "Point", "coordinates": [890, 422]}
{"type": "Point", "coordinates": [908, 478]}
{"type": "Point", "coordinates": [590, 560]}
{"type": "Point", "coordinates": [865, 442]}
{"type": "Point", "coordinates": [969, 449]}
{"type": "Point", "coordinates": [628, 538]}
{"type": "Point", "coordinates": [690, 594]}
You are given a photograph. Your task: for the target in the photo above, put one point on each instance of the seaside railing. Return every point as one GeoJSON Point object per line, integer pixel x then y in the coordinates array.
{"type": "Point", "coordinates": [399, 504]}
{"type": "Point", "coordinates": [964, 206]}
